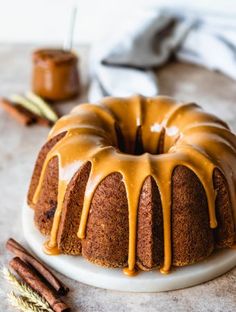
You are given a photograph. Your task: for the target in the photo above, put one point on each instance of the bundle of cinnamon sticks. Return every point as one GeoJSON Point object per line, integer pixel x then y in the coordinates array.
{"type": "Point", "coordinates": [36, 275]}
{"type": "Point", "coordinates": [29, 109]}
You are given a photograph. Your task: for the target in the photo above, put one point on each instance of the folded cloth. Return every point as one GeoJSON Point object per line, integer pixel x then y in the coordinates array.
{"type": "Point", "coordinates": [123, 65]}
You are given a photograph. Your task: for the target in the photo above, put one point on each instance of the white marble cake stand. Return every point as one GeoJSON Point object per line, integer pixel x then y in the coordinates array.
{"type": "Point", "coordinates": [81, 270]}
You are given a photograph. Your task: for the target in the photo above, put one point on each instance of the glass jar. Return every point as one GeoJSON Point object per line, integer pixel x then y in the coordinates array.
{"type": "Point", "coordinates": [55, 74]}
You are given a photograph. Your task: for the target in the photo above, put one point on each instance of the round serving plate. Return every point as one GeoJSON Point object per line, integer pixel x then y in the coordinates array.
{"type": "Point", "coordinates": [81, 270]}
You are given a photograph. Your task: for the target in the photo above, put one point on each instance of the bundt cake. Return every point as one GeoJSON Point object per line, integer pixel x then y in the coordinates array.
{"type": "Point", "coordinates": [136, 182]}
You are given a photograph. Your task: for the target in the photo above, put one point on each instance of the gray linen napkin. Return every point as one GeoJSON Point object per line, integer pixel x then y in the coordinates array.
{"type": "Point", "coordinates": [123, 65]}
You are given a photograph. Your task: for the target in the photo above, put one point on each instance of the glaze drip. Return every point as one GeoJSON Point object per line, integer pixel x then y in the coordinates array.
{"type": "Point", "coordinates": [171, 133]}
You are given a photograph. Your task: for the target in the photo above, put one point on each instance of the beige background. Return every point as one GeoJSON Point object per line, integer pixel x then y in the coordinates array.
{"type": "Point", "coordinates": [18, 150]}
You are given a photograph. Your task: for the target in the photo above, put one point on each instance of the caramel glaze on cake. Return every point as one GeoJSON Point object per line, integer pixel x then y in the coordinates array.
{"type": "Point", "coordinates": [137, 182]}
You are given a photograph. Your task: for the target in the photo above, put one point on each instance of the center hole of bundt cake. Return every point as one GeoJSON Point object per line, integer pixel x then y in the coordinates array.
{"type": "Point", "coordinates": [136, 146]}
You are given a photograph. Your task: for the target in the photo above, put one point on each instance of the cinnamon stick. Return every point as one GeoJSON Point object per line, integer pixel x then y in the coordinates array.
{"type": "Point", "coordinates": [22, 253]}
{"type": "Point", "coordinates": [29, 275]}
{"type": "Point", "coordinates": [43, 121]}
{"type": "Point", "coordinates": [18, 112]}
{"type": "Point", "coordinates": [23, 115]}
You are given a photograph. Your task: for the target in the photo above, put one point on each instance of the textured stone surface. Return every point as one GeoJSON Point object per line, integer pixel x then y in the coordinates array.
{"type": "Point", "coordinates": [18, 150]}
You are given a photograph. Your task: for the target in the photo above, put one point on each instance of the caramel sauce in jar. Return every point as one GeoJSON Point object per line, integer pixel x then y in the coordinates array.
{"type": "Point", "coordinates": [55, 74]}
